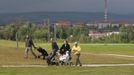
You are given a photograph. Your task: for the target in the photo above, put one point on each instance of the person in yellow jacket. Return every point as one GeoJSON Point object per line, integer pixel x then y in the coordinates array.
{"type": "Point", "coordinates": [76, 50]}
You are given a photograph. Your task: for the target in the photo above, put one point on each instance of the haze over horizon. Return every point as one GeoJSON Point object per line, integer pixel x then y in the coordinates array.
{"type": "Point", "coordinates": [19, 6]}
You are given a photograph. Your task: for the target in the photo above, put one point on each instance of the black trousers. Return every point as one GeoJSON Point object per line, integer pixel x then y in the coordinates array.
{"type": "Point", "coordinates": [78, 60]}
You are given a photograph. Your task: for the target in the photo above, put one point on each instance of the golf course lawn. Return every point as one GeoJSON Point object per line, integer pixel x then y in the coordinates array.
{"type": "Point", "coordinates": [90, 54]}
{"type": "Point", "coordinates": [69, 71]}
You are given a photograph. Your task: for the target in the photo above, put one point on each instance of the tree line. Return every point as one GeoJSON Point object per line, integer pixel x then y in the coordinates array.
{"type": "Point", "coordinates": [40, 33]}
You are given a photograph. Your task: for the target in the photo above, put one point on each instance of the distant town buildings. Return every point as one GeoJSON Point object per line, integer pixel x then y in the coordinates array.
{"type": "Point", "coordinates": [97, 29]}
{"type": "Point", "coordinates": [79, 24]}
{"type": "Point", "coordinates": [63, 24]}
{"type": "Point", "coordinates": [96, 35]}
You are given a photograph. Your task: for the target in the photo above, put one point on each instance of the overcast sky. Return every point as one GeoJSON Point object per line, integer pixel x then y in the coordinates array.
{"type": "Point", "coordinates": [116, 6]}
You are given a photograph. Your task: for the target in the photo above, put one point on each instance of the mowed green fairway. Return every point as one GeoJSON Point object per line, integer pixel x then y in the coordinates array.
{"type": "Point", "coordinates": [91, 54]}
{"type": "Point", "coordinates": [69, 71]}
{"type": "Point", "coordinates": [92, 48]}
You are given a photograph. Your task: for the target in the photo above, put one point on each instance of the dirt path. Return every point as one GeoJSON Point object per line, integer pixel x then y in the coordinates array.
{"type": "Point", "coordinates": [4, 66]}
{"type": "Point", "coordinates": [108, 65]}
{"type": "Point", "coordinates": [115, 55]}
{"type": "Point", "coordinates": [85, 65]}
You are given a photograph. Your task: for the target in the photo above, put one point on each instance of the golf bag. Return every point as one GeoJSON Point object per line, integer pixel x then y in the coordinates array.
{"type": "Point", "coordinates": [43, 52]}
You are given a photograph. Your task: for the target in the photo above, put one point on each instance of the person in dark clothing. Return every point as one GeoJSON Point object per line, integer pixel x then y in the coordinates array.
{"type": "Point", "coordinates": [65, 47]}
{"type": "Point", "coordinates": [55, 48]}
{"type": "Point", "coordinates": [29, 44]}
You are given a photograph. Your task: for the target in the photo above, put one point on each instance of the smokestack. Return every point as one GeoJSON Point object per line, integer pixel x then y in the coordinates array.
{"type": "Point", "coordinates": [106, 11]}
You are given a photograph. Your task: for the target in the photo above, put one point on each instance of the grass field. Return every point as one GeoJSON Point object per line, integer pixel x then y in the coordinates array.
{"type": "Point", "coordinates": [91, 54]}
{"type": "Point", "coordinates": [68, 70]}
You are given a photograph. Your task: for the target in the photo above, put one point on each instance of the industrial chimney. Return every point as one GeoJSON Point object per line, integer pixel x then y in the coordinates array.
{"type": "Point", "coordinates": [106, 10]}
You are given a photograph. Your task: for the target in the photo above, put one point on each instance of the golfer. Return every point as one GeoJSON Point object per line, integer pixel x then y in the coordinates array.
{"type": "Point", "coordinates": [28, 44]}
{"type": "Point", "coordinates": [76, 50]}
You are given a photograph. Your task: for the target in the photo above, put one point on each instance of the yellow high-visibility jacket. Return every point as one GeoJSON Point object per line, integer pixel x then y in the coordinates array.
{"type": "Point", "coordinates": [76, 50]}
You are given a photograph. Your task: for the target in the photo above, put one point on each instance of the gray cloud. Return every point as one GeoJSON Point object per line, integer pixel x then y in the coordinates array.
{"type": "Point", "coordinates": [117, 6]}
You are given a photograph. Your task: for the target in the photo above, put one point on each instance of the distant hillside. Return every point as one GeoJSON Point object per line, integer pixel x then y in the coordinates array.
{"type": "Point", "coordinates": [39, 17]}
